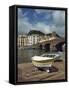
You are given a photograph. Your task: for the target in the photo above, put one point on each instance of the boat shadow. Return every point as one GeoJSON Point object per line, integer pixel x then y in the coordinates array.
{"type": "Point", "coordinates": [51, 69]}
{"type": "Point", "coordinates": [60, 60]}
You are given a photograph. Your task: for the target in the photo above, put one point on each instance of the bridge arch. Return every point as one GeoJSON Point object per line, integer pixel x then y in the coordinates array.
{"type": "Point", "coordinates": [45, 46]}
{"type": "Point", "coordinates": [59, 46]}
{"type": "Point", "coordinates": [40, 46]}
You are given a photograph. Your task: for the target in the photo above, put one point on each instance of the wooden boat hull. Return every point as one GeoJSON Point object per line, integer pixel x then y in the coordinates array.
{"type": "Point", "coordinates": [47, 63]}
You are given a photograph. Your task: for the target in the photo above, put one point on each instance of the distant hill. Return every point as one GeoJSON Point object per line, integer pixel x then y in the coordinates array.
{"type": "Point", "coordinates": [35, 32]}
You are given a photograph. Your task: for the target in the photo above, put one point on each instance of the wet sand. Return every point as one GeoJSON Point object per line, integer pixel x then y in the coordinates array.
{"type": "Point", "coordinates": [28, 72]}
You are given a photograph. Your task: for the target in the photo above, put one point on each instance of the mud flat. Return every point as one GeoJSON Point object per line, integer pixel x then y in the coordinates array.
{"type": "Point", "coordinates": [28, 72]}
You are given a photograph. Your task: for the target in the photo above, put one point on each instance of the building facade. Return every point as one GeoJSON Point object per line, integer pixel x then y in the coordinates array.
{"type": "Point", "coordinates": [33, 39]}
{"type": "Point", "coordinates": [22, 40]}
{"type": "Point", "coordinates": [37, 39]}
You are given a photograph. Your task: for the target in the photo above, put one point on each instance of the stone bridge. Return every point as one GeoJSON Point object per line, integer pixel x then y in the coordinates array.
{"type": "Point", "coordinates": [54, 44]}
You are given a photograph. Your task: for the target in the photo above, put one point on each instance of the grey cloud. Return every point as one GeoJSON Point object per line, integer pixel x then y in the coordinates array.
{"type": "Point", "coordinates": [59, 18]}
{"type": "Point", "coordinates": [24, 26]}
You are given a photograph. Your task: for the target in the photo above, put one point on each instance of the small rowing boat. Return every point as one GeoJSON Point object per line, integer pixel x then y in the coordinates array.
{"type": "Point", "coordinates": [45, 60]}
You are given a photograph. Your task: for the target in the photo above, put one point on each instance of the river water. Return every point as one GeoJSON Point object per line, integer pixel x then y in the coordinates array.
{"type": "Point", "coordinates": [25, 55]}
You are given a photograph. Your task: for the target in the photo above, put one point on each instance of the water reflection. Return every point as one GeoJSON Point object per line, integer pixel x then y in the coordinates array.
{"type": "Point", "coordinates": [25, 55]}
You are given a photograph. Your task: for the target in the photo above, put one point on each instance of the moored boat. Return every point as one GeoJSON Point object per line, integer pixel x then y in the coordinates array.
{"type": "Point", "coordinates": [45, 60]}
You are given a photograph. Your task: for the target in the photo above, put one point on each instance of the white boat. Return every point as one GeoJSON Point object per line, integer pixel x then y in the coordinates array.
{"type": "Point", "coordinates": [45, 60]}
{"type": "Point", "coordinates": [55, 56]}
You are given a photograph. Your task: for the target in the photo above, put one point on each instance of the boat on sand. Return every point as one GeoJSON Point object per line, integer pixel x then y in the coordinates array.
{"type": "Point", "coordinates": [45, 60]}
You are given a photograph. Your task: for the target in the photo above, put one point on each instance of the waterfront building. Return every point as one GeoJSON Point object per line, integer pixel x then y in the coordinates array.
{"type": "Point", "coordinates": [22, 40]}
{"type": "Point", "coordinates": [37, 39]}
{"type": "Point", "coordinates": [34, 37]}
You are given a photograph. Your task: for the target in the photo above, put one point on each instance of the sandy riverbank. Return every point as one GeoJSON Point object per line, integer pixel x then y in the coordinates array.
{"type": "Point", "coordinates": [28, 72]}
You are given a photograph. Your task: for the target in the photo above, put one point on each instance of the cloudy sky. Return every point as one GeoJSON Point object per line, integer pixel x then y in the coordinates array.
{"type": "Point", "coordinates": [46, 21]}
